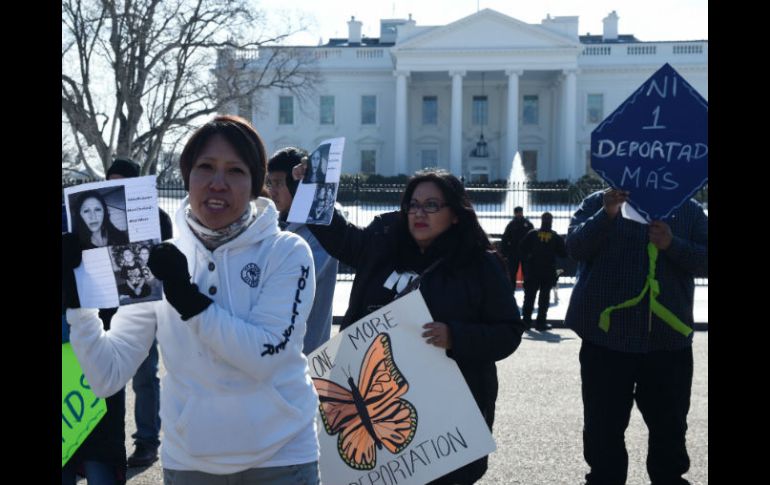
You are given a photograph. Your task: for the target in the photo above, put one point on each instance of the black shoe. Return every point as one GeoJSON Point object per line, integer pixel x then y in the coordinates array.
{"type": "Point", "coordinates": [143, 456]}
{"type": "Point", "coordinates": [527, 324]}
{"type": "Point", "coordinates": [542, 326]}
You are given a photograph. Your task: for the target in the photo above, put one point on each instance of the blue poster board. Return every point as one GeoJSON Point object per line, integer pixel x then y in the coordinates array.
{"type": "Point", "coordinates": [655, 145]}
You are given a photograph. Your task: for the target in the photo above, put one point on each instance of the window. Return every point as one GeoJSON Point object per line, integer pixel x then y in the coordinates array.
{"type": "Point", "coordinates": [244, 107]}
{"type": "Point", "coordinates": [595, 111]}
{"type": "Point", "coordinates": [530, 113]}
{"type": "Point", "coordinates": [368, 110]}
{"type": "Point", "coordinates": [368, 161]}
{"type": "Point", "coordinates": [286, 110]}
{"type": "Point", "coordinates": [429, 110]}
{"type": "Point", "coordinates": [479, 174]}
{"type": "Point", "coordinates": [529, 162]}
{"type": "Point", "coordinates": [429, 158]}
{"type": "Point", "coordinates": [479, 110]}
{"type": "Point", "coordinates": [327, 110]}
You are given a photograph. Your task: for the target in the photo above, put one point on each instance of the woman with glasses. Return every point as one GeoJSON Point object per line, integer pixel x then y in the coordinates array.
{"type": "Point", "coordinates": [437, 236]}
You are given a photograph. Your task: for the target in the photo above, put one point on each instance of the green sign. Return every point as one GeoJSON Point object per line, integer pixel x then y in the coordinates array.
{"type": "Point", "coordinates": [81, 410]}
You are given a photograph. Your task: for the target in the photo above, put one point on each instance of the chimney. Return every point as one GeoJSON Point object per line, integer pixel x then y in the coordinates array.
{"type": "Point", "coordinates": [610, 26]}
{"type": "Point", "coordinates": [564, 25]}
{"type": "Point", "coordinates": [354, 31]}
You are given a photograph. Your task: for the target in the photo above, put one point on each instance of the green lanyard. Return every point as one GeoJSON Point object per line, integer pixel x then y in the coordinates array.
{"type": "Point", "coordinates": [654, 286]}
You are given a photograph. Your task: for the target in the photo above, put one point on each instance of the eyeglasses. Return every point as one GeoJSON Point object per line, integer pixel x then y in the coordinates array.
{"type": "Point", "coordinates": [430, 206]}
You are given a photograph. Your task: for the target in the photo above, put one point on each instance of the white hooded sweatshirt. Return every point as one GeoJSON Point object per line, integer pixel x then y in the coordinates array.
{"type": "Point", "coordinates": [237, 393]}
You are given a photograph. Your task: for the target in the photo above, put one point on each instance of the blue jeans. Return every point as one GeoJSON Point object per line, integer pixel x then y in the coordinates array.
{"type": "Point", "coordinates": [97, 473]}
{"type": "Point", "coordinates": [304, 474]}
{"type": "Point", "coordinates": [146, 387]}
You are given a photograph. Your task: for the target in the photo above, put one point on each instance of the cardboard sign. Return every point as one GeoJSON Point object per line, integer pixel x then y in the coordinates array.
{"type": "Point", "coordinates": [655, 145]}
{"type": "Point", "coordinates": [81, 410]}
{"type": "Point", "coordinates": [394, 409]}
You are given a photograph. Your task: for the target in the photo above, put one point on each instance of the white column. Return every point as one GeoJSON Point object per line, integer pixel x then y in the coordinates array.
{"type": "Point", "coordinates": [456, 125]}
{"type": "Point", "coordinates": [512, 126]}
{"type": "Point", "coordinates": [569, 109]}
{"type": "Point", "coordinates": [401, 123]}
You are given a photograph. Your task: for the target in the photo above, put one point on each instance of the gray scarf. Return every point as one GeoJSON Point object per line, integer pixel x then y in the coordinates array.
{"type": "Point", "coordinates": [211, 238]}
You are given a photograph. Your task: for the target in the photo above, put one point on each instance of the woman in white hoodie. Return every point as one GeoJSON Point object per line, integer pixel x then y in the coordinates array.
{"type": "Point", "coordinates": [237, 401]}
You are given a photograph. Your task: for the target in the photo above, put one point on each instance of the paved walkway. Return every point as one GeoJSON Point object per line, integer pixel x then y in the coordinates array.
{"type": "Point", "coordinates": [539, 419]}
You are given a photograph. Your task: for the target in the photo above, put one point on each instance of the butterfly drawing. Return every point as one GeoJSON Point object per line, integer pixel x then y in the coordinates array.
{"type": "Point", "coordinates": [372, 413]}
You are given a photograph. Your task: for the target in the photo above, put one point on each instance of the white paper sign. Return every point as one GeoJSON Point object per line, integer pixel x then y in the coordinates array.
{"type": "Point", "coordinates": [394, 409]}
{"type": "Point", "coordinates": [118, 223]}
{"type": "Point", "coordinates": [628, 212]}
{"type": "Point", "coordinates": [314, 201]}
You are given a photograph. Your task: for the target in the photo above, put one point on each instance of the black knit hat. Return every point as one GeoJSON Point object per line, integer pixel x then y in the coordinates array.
{"type": "Point", "coordinates": [125, 167]}
{"type": "Point", "coordinates": [283, 161]}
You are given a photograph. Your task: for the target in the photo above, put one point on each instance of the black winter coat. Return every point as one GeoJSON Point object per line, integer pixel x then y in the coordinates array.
{"type": "Point", "coordinates": [512, 236]}
{"type": "Point", "coordinates": [538, 251]}
{"type": "Point", "coordinates": [470, 293]}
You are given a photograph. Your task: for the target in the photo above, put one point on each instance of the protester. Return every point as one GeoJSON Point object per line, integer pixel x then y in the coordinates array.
{"type": "Point", "coordinates": [437, 238]}
{"type": "Point", "coordinates": [632, 306]}
{"type": "Point", "coordinates": [238, 404]}
{"type": "Point", "coordinates": [282, 188]}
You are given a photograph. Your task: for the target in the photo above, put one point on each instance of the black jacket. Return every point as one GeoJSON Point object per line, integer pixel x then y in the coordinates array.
{"type": "Point", "coordinates": [538, 251]}
{"type": "Point", "coordinates": [513, 234]}
{"type": "Point", "coordinates": [468, 292]}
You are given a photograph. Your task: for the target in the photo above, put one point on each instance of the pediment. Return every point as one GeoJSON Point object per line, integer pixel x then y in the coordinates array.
{"type": "Point", "coordinates": [487, 29]}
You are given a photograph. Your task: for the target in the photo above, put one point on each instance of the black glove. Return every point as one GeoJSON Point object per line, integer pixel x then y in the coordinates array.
{"type": "Point", "coordinates": [169, 265]}
{"type": "Point", "coordinates": [70, 259]}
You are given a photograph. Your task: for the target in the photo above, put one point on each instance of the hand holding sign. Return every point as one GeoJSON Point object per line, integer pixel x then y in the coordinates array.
{"type": "Point", "coordinates": [660, 234]}
{"type": "Point", "coordinates": [613, 199]}
{"type": "Point", "coordinates": [438, 334]}
{"type": "Point", "coordinates": [320, 174]}
{"type": "Point", "coordinates": [655, 145]}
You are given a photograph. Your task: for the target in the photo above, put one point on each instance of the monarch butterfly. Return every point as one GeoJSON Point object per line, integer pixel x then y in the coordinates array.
{"type": "Point", "coordinates": [371, 413]}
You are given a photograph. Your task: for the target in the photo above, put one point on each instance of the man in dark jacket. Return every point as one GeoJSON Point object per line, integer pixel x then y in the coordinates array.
{"type": "Point", "coordinates": [514, 233]}
{"type": "Point", "coordinates": [538, 251]}
{"type": "Point", "coordinates": [632, 307]}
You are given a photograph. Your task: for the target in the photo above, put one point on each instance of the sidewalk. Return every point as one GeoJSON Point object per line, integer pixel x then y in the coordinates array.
{"type": "Point", "coordinates": [556, 311]}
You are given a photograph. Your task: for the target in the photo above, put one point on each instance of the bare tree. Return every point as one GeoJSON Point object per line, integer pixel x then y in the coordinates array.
{"type": "Point", "coordinates": [137, 71]}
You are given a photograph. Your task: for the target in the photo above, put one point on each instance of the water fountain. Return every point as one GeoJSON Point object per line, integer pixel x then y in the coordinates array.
{"type": "Point", "coordinates": [517, 195]}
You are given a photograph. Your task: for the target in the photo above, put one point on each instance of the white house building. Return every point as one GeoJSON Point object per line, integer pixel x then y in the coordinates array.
{"type": "Point", "coordinates": [468, 95]}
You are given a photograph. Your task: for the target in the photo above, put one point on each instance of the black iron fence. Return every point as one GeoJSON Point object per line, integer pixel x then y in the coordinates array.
{"type": "Point", "coordinates": [494, 204]}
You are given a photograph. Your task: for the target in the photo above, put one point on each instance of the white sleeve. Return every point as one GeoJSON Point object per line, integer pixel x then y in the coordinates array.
{"type": "Point", "coordinates": [273, 335]}
{"type": "Point", "coordinates": [110, 358]}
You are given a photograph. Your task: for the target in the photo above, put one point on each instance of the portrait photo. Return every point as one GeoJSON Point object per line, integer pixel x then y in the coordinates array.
{"type": "Point", "coordinates": [317, 164]}
{"type": "Point", "coordinates": [134, 280]}
{"type": "Point", "coordinates": [98, 217]}
{"type": "Point", "coordinates": [323, 204]}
